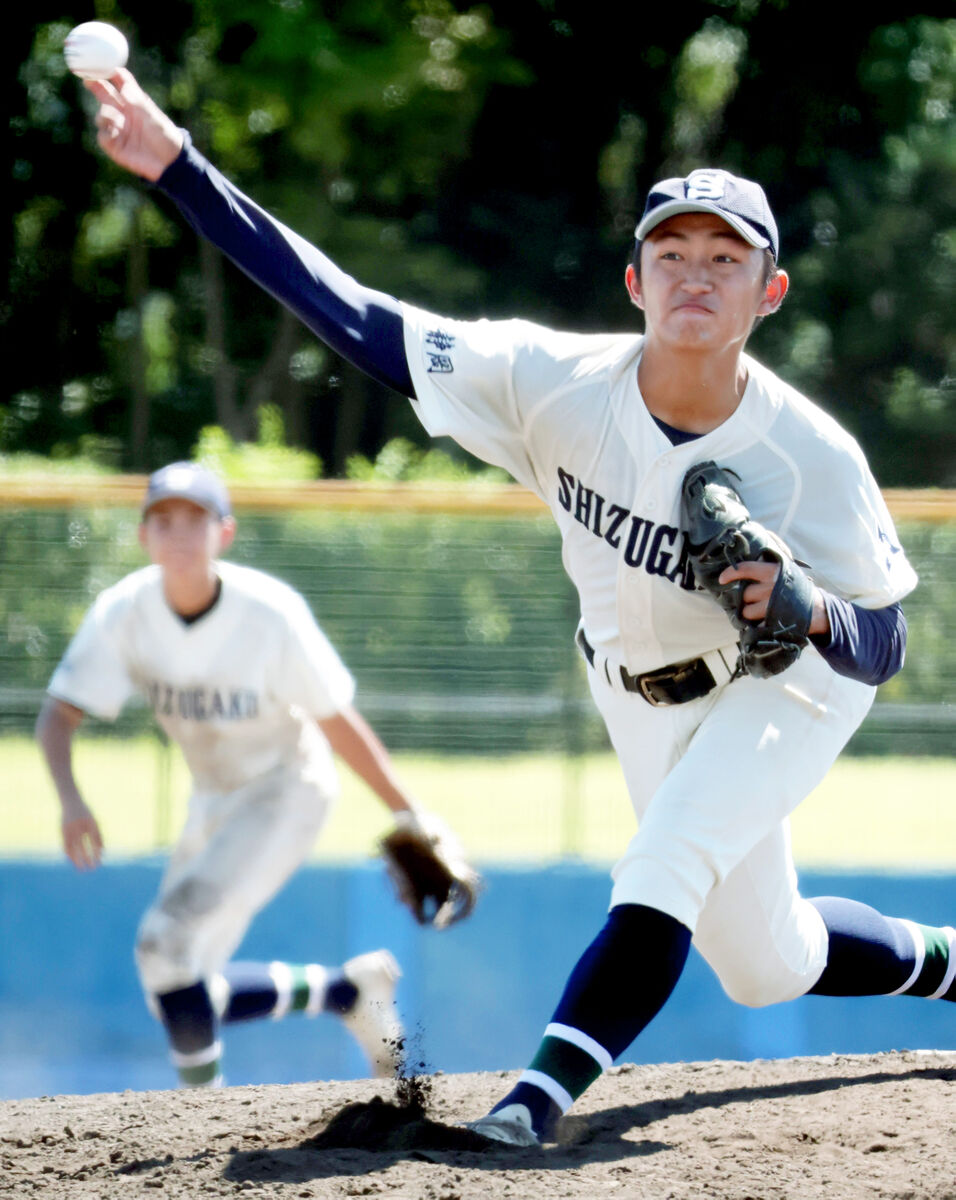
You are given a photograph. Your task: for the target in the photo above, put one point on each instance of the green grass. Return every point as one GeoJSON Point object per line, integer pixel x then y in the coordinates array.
{"type": "Point", "coordinates": [879, 813]}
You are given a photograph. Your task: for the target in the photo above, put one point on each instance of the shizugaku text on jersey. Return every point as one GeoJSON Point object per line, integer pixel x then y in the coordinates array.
{"type": "Point", "coordinates": [646, 544]}
{"type": "Point", "coordinates": [202, 703]}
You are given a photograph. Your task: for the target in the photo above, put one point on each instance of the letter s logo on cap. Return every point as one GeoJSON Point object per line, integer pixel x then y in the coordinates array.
{"type": "Point", "coordinates": [704, 185]}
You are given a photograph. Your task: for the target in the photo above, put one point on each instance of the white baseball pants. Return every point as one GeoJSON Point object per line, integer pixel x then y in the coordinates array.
{"type": "Point", "coordinates": [235, 852]}
{"type": "Point", "coordinates": [712, 783]}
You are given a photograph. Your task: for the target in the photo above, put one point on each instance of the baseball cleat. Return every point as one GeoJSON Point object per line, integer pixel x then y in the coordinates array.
{"type": "Point", "coordinates": [510, 1125]}
{"type": "Point", "coordinates": [373, 1019]}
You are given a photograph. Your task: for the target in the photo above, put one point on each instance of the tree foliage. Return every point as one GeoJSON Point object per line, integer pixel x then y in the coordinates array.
{"type": "Point", "coordinates": [477, 160]}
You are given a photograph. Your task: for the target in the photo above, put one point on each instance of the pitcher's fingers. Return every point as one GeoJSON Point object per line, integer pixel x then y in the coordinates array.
{"type": "Point", "coordinates": [761, 571]}
{"type": "Point", "coordinates": [121, 88]}
{"type": "Point", "coordinates": [110, 120]}
{"type": "Point", "coordinates": [102, 90]}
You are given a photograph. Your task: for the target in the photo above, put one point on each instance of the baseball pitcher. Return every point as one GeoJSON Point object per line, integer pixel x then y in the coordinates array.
{"type": "Point", "coordinates": [739, 579]}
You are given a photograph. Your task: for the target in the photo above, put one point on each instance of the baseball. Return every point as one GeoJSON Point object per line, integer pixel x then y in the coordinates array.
{"type": "Point", "coordinates": [94, 50]}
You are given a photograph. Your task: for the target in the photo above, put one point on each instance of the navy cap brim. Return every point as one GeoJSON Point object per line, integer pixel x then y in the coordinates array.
{"type": "Point", "coordinates": [673, 208]}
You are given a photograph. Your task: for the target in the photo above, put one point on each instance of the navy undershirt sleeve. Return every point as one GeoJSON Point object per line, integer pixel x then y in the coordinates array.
{"type": "Point", "coordinates": [362, 325]}
{"type": "Point", "coordinates": [868, 644]}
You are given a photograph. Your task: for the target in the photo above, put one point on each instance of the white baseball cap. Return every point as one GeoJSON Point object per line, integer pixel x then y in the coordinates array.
{"type": "Point", "coordinates": [187, 481]}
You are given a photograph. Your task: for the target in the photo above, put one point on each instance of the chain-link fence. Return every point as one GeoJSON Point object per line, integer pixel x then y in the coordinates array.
{"type": "Point", "coordinates": [457, 625]}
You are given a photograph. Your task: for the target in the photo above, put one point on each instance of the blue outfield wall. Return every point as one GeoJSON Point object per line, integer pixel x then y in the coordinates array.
{"type": "Point", "coordinates": [476, 997]}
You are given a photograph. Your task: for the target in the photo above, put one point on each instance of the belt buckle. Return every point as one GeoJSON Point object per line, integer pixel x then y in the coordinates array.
{"type": "Point", "coordinates": [645, 683]}
{"type": "Point", "coordinates": [677, 675]}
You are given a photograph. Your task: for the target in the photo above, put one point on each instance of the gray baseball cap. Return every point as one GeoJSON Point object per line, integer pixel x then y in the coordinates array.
{"type": "Point", "coordinates": [740, 202]}
{"type": "Point", "coordinates": [187, 481]}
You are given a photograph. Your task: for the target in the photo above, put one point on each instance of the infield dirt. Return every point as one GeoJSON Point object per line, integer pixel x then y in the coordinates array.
{"type": "Point", "coordinates": [795, 1129]}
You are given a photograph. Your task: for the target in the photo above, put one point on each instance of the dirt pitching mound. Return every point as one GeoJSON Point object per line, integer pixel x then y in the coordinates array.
{"type": "Point", "coordinates": [796, 1129]}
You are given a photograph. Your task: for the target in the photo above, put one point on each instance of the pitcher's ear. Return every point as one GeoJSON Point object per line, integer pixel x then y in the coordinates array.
{"type": "Point", "coordinates": [775, 291]}
{"type": "Point", "coordinates": [633, 284]}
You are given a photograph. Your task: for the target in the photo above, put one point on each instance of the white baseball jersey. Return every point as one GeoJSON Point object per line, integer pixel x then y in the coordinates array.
{"type": "Point", "coordinates": [562, 412]}
{"type": "Point", "coordinates": [239, 690]}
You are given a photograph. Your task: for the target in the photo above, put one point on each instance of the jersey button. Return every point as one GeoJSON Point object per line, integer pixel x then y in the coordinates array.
{"type": "Point", "coordinates": [651, 504]}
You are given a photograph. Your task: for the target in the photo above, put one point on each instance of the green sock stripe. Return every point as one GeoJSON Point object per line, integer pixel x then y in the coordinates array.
{"type": "Point", "coordinates": [300, 989]}
{"type": "Point", "coordinates": [566, 1064]}
{"type": "Point", "coordinates": [935, 963]}
{"type": "Point", "coordinates": [197, 1076]}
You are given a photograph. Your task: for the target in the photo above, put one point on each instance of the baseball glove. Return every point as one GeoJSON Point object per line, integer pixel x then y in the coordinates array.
{"type": "Point", "coordinates": [721, 533]}
{"type": "Point", "coordinates": [428, 868]}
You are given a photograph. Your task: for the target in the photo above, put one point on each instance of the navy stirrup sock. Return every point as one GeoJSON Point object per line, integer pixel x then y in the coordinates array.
{"type": "Point", "coordinates": [190, 1021]}
{"type": "Point", "coordinates": [873, 955]}
{"type": "Point", "coordinates": [244, 991]}
{"type": "Point", "coordinates": [257, 989]}
{"type": "Point", "coordinates": [624, 978]}
{"type": "Point", "coordinates": [618, 986]}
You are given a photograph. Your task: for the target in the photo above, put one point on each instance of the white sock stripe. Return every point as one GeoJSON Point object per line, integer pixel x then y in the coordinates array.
{"type": "Point", "coordinates": [317, 978]}
{"type": "Point", "coordinates": [919, 952]}
{"type": "Point", "coordinates": [950, 966]}
{"type": "Point", "coordinates": [281, 977]}
{"type": "Point", "coordinates": [554, 1089]}
{"type": "Point", "coordinates": [219, 992]}
{"type": "Point", "coordinates": [567, 1033]}
{"type": "Point", "coordinates": [198, 1058]}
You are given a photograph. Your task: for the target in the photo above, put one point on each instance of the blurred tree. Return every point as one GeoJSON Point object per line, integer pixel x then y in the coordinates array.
{"type": "Point", "coordinates": [344, 123]}
{"type": "Point", "coordinates": [862, 165]}
{"type": "Point", "coordinates": [481, 167]}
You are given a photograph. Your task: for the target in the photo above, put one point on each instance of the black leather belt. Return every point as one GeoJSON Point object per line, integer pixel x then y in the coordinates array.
{"type": "Point", "coordinates": [675, 684]}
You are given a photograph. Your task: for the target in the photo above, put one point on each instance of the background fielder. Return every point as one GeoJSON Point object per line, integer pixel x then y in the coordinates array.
{"type": "Point", "coordinates": [238, 673]}
{"type": "Point", "coordinates": [604, 428]}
